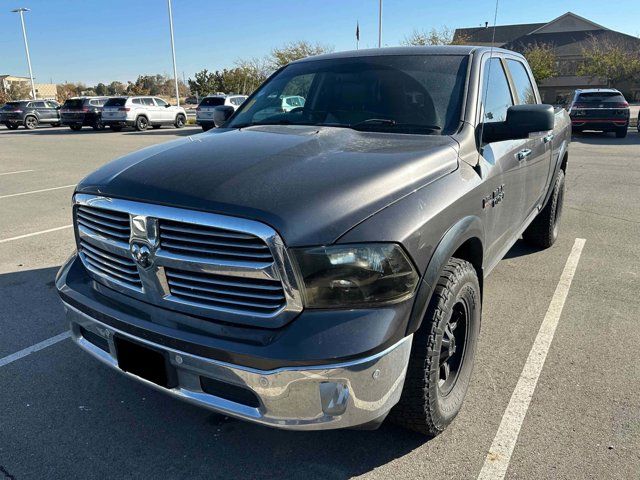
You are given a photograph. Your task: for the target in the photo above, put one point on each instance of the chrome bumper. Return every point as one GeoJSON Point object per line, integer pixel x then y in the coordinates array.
{"type": "Point", "coordinates": [307, 398]}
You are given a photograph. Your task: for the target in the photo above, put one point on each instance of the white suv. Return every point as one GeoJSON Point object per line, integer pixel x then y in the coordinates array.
{"type": "Point", "coordinates": [204, 112]}
{"type": "Point", "coordinates": [141, 112]}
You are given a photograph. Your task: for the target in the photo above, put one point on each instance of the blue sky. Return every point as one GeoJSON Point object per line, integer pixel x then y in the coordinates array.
{"type": "Point", "coordinates": [104, 40]}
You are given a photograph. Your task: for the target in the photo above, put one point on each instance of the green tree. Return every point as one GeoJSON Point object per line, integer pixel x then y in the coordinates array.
{"type": "Point", "coordinates": [542, 60]}
{"type": "Point", "coordinates": [444, 36]}
{"type": "Point", "coordinates": [204, 82]}
{"type": "Point", "coordinates": [101, 89]}
{"type": "Point", "coordinates": [116, 88]}
{"type": "Point", "coordinates": [617, 61]}
{"type": "Point", "coordinates": [67, 90]}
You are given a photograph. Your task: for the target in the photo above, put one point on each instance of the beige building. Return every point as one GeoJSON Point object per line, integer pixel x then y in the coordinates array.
{"type": "Point", "coordinates": [47, 91]}
{"type": "Point", "coordinates": [569, 35]}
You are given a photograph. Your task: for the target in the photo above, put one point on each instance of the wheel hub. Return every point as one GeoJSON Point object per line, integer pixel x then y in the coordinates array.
{"type": "Point", "coordinates": [452, 348]}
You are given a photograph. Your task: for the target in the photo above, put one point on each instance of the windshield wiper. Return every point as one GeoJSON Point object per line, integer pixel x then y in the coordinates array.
{"type": "Point", "coordinates": [392, 123]}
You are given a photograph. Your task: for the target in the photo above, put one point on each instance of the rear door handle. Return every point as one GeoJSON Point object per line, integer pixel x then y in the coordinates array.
{"type": "Point", "coordinates": [522, 154]}
{"type": "Point", "coordinates": [548, 138]}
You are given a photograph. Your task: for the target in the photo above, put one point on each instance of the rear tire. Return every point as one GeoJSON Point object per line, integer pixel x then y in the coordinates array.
{"type": "Point", "coordinates": [543, 231]}
{"type": "Point", "coordinates": [75, 128]}
{"type": "Point", "coordinates": [442, 353]}
{"type": "Point", "coordinates": [142, 123]}
{"type": "Point", "coordinates": [31, 122]}
{"type": "Point", "coordinates": [621, 132]}
{"type": "Point", "coordinates": [57, 124]}
{"type": "Point", "coordinates": [180, 121]}
{"type": "Point", "coordinates": [116, 128]}
{"type": "Point", "coordinates": [98, 125]}
{"type": "Point", "coordinates": [206, 128]}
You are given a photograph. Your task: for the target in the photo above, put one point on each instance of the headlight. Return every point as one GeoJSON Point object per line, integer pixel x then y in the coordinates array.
{"type": "Point", "coordinates": [355, 275]}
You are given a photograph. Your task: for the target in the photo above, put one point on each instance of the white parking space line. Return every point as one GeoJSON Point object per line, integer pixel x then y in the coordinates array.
{"type": "Point", "coordinates": [26, 235]}
{"type": "Point", "coordinates": [34, 348]}
{"type": "Point", "coordinates": [497, 460]}
{"type": "Point", "coordinates": [36, 191]}
{"type": "Point", "coordinates": [13, 173]}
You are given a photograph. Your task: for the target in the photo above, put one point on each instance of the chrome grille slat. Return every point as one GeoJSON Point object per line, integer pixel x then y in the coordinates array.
{"type": "Point", "coordinates": [113, 267]}
{"type": "Point", "coordinates": [212, 242]}
{"type": "Point", "coordinates": [213, 300]}
{"type": "Point", "coordinates": [107, 223]}
{"type": "Point", "coordinates": [212, 252]}
{"type": "Point", "coordinates": [209, 279]}
{"type": "Point", "coordinates": [208, 231]}
{"type": "Point", "coordinates": [182, 238]}
{"type": "Point", "coordinates": [262, 296]}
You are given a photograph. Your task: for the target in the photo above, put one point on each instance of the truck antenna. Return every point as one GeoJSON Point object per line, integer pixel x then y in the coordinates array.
{"type": "Point", "coordinates": [485, 87]}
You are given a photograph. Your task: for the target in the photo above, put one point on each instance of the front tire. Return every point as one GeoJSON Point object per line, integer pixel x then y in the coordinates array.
{"type": "Point", "coordinates": [543, 231]}
{"type": "Point", "coordinates": [442, 353]}
{"type": "Point", "coordinates": [621, 132]}
{"type": "Point", "coordinates": [12, 126]}
{"type": "Point", "coordinates": [75, 128]}
{"type": "Point", "coordinates": [142, 123]}
{"type": "Point", "coordinates": [31, 122]}
{"type": "Point", "coordinates": [180, 121]}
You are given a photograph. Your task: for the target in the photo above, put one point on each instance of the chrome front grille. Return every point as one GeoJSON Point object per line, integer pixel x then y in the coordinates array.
{"type": "Point", "coordinates": [262, 296]}
{"type": "Point", "coordinates": [114, 267]}
{"type": "Point", "coordinates": [107, 223]}
{"type": "Point", "coordinates": [211, 242]}
{"type": "Point", "coordinates": [198, 263]}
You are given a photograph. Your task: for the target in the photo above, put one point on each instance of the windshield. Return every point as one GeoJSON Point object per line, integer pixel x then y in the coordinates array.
{"type": "Point", "coordinates": [116, 102]}
{"type": "Point", "coordinates": [212, 102]}
{"type": "Point", "coordinates": [392, 93]}
{"type": "Point", "coordinates": [73, 103]}
{"type": "Point", "coordinates": [600, 97]}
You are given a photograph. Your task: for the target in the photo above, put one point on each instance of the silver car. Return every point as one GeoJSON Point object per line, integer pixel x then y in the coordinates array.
{"type": "Point", "coordinates": [141, 112]}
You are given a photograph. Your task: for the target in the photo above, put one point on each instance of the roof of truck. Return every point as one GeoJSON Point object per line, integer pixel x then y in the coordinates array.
{"type": "Point", "coordinates": [426, 50]}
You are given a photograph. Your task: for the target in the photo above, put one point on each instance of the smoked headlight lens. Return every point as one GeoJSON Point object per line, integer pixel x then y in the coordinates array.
{"type": "Point", "coordinates": [342, 276]}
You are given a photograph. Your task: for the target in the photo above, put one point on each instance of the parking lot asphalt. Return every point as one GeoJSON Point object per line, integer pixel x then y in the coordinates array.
{"type": "Point", "coordinates": [63, 415]}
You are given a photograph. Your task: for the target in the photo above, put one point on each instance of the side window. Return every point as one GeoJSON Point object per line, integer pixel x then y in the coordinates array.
{"type": "Point", "coordinates": [160, 102]}
{"type": "Point", "coordinates": [52, 105]}
{"type": "Point", "coordinates": [148, 102]}
{"type": "Point", "coordinates": [39, 105]}
{"type": "Point", "coordinates": [93, 103]}
{"type": "Point", "coordinates": [522, 82]}
{"type": "Point", "coordinates": [495, 92]}
{"type": "Point", "coordinates": [137, 101]}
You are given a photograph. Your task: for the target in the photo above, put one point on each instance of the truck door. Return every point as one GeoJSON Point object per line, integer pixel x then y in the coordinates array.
{"type": "Point", "coordinates": [536, 159]}
{"type": "Point", "coordinates": [504, 185]}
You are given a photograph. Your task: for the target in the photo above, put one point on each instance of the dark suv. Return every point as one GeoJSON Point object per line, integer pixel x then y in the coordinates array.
{"type": "Point", "coordinates": [603, 109]}
{"type": "Point", "coordinates": [83, 111]}
{"type": "Point", "coordinates": [30, 113]}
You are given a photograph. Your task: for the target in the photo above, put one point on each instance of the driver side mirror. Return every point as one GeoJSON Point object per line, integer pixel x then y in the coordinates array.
{"type": "Point", "coordinates": [221, 114]}
{"type": "Point", "coordinates": [167, 105]}
{"type": "Point", "coordinates": [521, 121]}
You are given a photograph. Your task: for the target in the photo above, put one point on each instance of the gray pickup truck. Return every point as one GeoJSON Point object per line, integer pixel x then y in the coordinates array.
{"type": "Point", "coordinates": [321, 267]}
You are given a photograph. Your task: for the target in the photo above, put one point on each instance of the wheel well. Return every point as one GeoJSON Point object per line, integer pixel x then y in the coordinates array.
{"type": "Point", "coordinates": [471, 251]}
{"type": "Point", "coordinates": [563, 165]}
{"type": "Point", "coordinates": [142, 115]}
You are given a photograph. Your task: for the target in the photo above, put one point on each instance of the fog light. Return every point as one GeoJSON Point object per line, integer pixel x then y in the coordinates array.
{"type": "Point", "coordinates": [334, 397]}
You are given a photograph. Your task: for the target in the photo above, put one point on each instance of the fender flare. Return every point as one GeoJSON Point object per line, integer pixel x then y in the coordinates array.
{"type": "Point", "coordinates": [465, 229]}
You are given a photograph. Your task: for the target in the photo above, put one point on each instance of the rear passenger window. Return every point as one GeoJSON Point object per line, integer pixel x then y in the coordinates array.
{"type": "Point", "coordinates": [148, 102]}
{"type": "Point", "coordinates": [521, 82]}
{"type": "Point", "coordinates": [39, 105]}
{"type": "Point", "coordinates": [137, 101]}
{"type": "Point", "coordinates": [496, 94]}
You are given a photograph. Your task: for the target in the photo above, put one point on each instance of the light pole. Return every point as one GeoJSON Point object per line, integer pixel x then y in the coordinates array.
{"type": "Point", "coordinates": [26, 47]}
{"type": "Point", "coordinates": [173, 53]}
{"type": "Point", "coordinates": [379, 23]}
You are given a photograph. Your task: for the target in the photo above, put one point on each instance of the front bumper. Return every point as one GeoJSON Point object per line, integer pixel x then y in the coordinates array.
{"type": "Point", "coordinates": [316, 397]}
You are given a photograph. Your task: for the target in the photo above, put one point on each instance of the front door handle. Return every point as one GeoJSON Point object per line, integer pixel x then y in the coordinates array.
{"type": "Point", "coordinates": [548, 138]}
{"type": "Point", "coordinates": [522, 154]}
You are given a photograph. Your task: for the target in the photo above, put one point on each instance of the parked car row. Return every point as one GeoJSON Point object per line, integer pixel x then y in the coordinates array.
{"type": "Point", "coordinates": [30, 114]}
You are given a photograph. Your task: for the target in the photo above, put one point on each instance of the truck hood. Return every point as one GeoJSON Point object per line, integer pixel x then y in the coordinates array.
{"type": "Point", "coordinates": [311, 184]}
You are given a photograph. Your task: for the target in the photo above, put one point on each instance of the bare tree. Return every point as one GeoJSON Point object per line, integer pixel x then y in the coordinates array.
{"type": "Point", "coordinates": [444, 36]}
{"type": "Point", "coordinates": [295, 51]}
